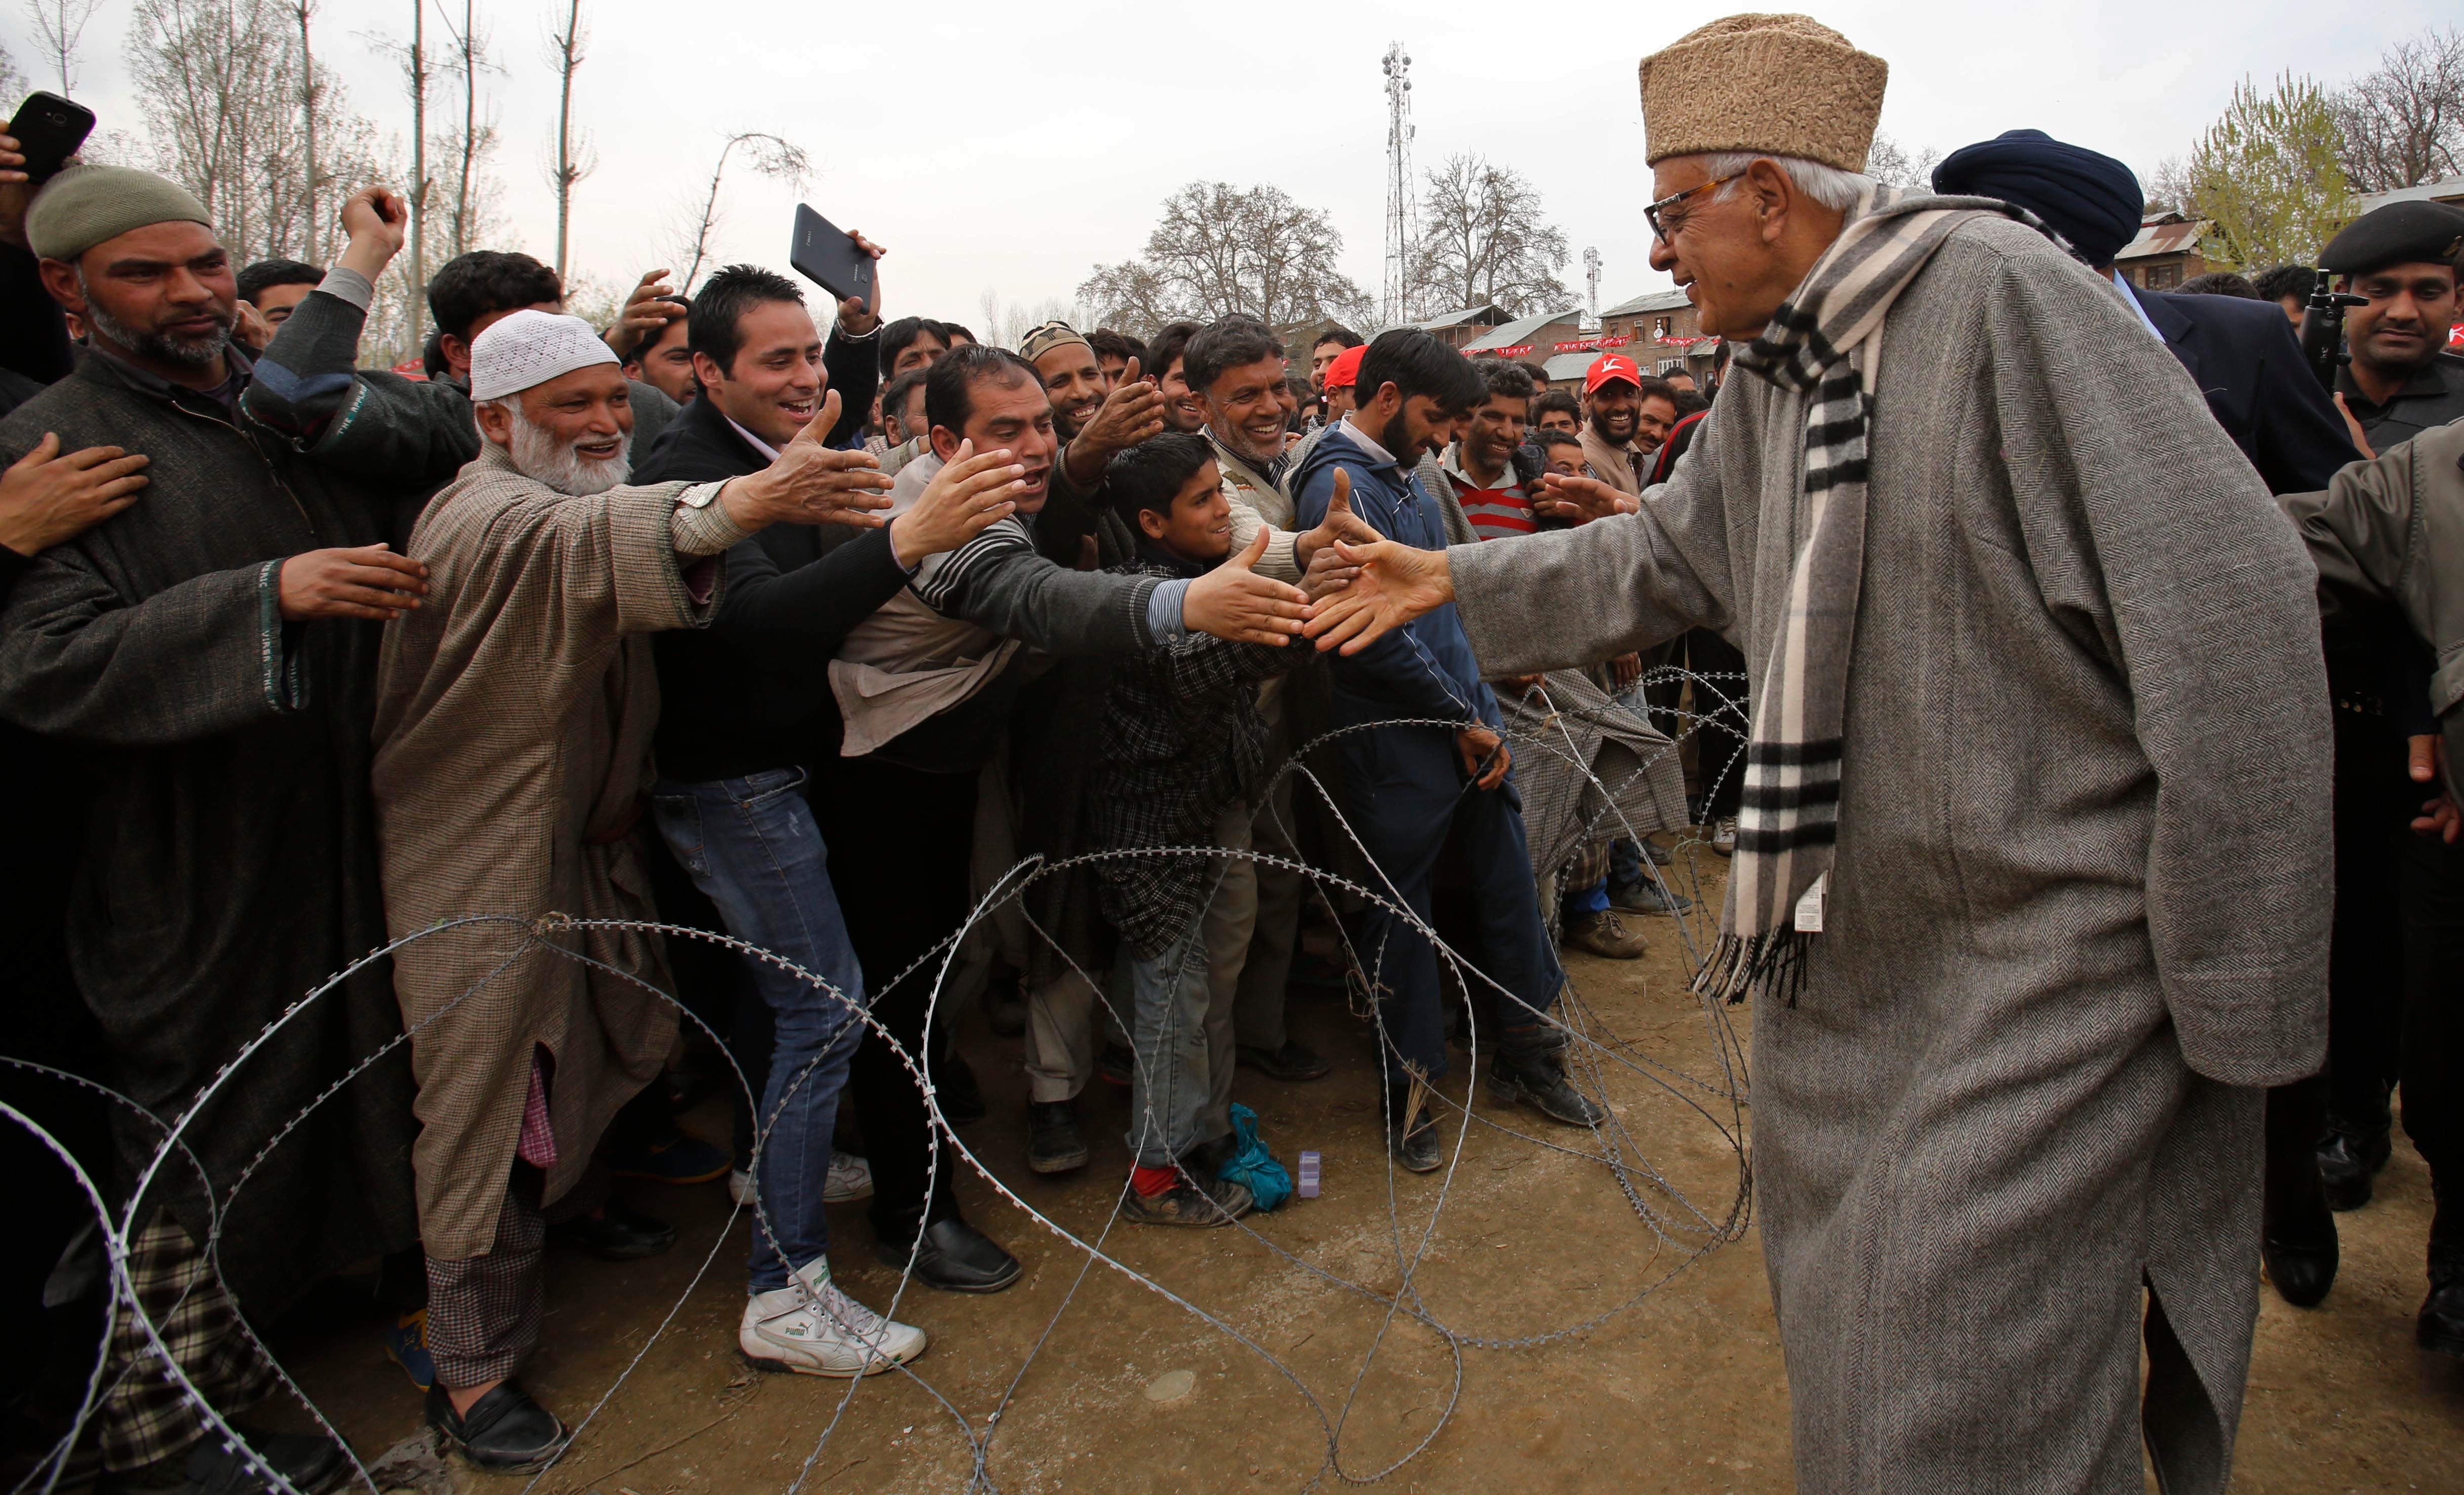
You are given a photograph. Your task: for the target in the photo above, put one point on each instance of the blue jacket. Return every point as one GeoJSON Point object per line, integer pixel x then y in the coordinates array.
{"type": "Point", "coordinates": [1424, 669]}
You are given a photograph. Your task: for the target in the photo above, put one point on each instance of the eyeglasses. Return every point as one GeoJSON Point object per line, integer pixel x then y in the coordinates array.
{"type": "Point", "coordinates": [1665, 233]}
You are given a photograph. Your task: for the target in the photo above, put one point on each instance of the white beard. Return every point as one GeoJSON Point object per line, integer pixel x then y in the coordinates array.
{"type": "Point", "coordinates": [540, 457]}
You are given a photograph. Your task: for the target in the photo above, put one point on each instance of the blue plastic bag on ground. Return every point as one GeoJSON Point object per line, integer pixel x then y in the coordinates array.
{"type": "Point", "coordinates": [1252, 1166]}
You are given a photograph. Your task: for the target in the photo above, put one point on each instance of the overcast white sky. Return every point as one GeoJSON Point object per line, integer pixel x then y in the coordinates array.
{"type": "Point", "coordinates": [1010, 146]}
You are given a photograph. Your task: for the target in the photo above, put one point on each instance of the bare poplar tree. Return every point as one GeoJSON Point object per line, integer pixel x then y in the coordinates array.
{"type": "Point", "coordinates": [59, 25]}
{"type": "Point", "coordinates": [2403, 124]}
{"type": "Point", "coordinates": [309, 89]}
{"type": "Point", "coordinates": [574, 157]}
{"type": "Point", "coordinates": [416, 76]}
{"type": "Point", "coordinates": [474, 139]}
{"type": "Point", "coordinates": [12, 83]}
{"type": "Point", "coordinates": [768, 154]}
{"type": "Point", "coordinates": [225, 89]}
{"type": "Point", "coordinates": [1484, 240]}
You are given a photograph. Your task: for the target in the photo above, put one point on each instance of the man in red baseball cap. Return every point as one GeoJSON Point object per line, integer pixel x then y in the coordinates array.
{"type": "Point", "coordinates": [1620, 405]}
{"type": "Point", "coordinates": [1341, 376]}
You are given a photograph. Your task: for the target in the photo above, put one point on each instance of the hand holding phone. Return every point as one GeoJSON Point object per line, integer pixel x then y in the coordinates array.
{"type": "Point", "coordinates": [47, 130]}
{"type": "Point", "coordinates": [831, 258]}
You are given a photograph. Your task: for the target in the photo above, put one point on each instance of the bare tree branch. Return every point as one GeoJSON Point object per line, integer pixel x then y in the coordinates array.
{"type": "Point", "coordinates": [574, 157]}
{"type": "Point", "coordinates": [59, 25]}
{"type": "Point", "coordinates": [769, 155]}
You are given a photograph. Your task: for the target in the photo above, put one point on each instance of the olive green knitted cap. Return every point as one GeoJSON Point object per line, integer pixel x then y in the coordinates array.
{"type": "Point", "coordinates": [84, 205]}
{"type": "Point", "coordinates": [1775, 85]}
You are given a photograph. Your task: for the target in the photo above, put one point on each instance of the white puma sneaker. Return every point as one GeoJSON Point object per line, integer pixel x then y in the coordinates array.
{"type": "Point", "coordinates": [813, 1329]}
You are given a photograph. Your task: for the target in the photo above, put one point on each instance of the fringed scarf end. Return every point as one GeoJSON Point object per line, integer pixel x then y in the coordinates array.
{"type": "Point", "coordinates": [1773, 961]}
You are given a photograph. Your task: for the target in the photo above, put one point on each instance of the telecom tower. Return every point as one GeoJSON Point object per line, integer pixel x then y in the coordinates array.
{"type": "Point", "coordinates": [1397, 66]}
{"type": "Point", "coordinates": [1592, 275]}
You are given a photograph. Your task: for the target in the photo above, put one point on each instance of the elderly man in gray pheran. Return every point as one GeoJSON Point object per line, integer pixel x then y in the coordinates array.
{"type": "Point", "coordinates": [2031, 886]}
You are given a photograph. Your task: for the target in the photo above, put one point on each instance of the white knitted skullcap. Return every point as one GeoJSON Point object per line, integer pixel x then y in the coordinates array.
{"type": "Point", "coordinates": [529, 349]}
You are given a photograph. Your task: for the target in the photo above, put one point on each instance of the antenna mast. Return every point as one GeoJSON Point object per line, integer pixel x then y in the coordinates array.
{"type": "Point", "coordinates": [1397, 66]}
{"type": "Point", "coordinates": [1592, 274]}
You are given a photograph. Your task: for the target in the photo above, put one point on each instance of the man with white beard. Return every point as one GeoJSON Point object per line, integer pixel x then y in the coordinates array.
{"type": "Point", "coordinates": [513, 727]}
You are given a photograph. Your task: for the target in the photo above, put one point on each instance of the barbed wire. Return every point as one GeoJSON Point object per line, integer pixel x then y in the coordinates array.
{"type": "Point", "coordinates": [1593, 1053]}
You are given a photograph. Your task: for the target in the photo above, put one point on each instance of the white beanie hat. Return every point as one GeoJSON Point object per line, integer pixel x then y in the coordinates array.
{"type": "Point", "coordinates": [529, 349]}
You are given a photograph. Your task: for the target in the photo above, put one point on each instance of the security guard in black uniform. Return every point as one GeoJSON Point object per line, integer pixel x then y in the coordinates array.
{"type": "Point", "coordinates": [2399, 931]}
{"type": "Point", "coordinates": [2402, 380]}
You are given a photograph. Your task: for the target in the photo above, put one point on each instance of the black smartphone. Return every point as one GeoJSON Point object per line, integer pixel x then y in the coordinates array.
{"type": "Point", "coordinates": [49, 129]}
{"type": "Point", "coordinates": [830, 258]}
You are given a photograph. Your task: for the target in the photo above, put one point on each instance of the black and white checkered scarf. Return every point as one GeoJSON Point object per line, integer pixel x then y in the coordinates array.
{"type": "Point", "coordinates": [1824, 342]}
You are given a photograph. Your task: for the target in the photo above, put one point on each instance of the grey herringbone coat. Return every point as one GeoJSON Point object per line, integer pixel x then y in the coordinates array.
{"type": "Point", "coordinates": [513, 719]}
{"type": "Point", "coordinates": [2079, 909]}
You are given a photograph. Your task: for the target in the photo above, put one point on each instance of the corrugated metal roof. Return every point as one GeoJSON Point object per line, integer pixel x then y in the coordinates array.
{"type": "Point", "coordinates": [1518, 331]}
{"type": "Point", "coordinates": [1456, 318]}
{"type": "Point", "coordinates": [2448, 189]}
{"type": "Point", "coordinates": [2176, 237]}
{"type": "Point", "coordinates": [1653, 301]}
{"type": "Point", "coordinates": [1569, 366]}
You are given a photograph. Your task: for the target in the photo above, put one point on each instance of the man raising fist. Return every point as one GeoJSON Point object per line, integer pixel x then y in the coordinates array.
{"type": "Point", "coordinates": [208, 649]}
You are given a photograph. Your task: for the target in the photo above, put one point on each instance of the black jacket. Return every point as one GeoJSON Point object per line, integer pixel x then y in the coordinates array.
{"type": "Point", "coordinates": [2248, 363]}
{"type": "Point", "coordinates": [2431, 398]}
{"type": "Point", "coordinates": [752, 691]}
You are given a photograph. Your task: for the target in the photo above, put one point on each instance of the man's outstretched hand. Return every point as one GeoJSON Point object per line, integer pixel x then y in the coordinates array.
{"type": "Point", "coordinates": [1582, 499]}
{"type": "Point", "coordinates": [975, 490]}
{"type": "Point", "coordinates": [812, 482]}
{"type": "Point", "coordinates": [1339, 524]}
{"type": "Point", "coordinates": [1131, 413]}
{"type": "Point", "coordinates": [1396, 583]}
{"type": "Point", "coordinates": [1234, 602]}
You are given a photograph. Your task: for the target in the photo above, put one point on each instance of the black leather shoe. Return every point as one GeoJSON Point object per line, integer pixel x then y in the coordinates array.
{"type": "Point", "coordinates": [618, 1233]}
{"type": "Point", "coordinates": [2441, 1325]}
{"type": "Point", "coordinates": [2302, 1273]}
{"type": "Point", "coordinates": [954, 1084]}
{"type": "Point", "coordinates": [1535, 1080]}
{"type": "Point", "coordinates": [955, 1257]}
{"type": "Point", "coordinates": [1291, 1061]}
{"type": "Point", "coordinates": [505, 1431]}
{"type": "Point", "coordinates": [1054, 1144]}
{"type": "Point", "coordinates": [2348, 1160]}
{"type": "Point", "coordinates": [1414, 1141]}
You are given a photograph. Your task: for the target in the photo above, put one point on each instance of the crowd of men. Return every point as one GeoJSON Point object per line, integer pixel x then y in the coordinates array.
{"type": "Point", "coordinates": [807, 638]}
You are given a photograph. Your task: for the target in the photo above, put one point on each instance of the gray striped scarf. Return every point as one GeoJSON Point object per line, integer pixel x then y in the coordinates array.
{"type": "Point", "coordinates": [1824, 342]}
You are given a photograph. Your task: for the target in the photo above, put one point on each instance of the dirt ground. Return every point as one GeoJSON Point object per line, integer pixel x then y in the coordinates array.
{"type": "Point", "coordinates": [1680, 1391]}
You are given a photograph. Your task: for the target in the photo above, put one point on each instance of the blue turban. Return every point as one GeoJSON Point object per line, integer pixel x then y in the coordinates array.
{"type": "Point", "coordinates": [2091, 200]}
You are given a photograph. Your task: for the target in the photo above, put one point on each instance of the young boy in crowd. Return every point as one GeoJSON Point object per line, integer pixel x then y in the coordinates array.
{"type": "Point", "coordinates": [1180, 759]}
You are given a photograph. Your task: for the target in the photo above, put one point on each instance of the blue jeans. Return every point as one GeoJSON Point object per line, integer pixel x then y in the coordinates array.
{"type": "Point", "coordinates": [750, 844]}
